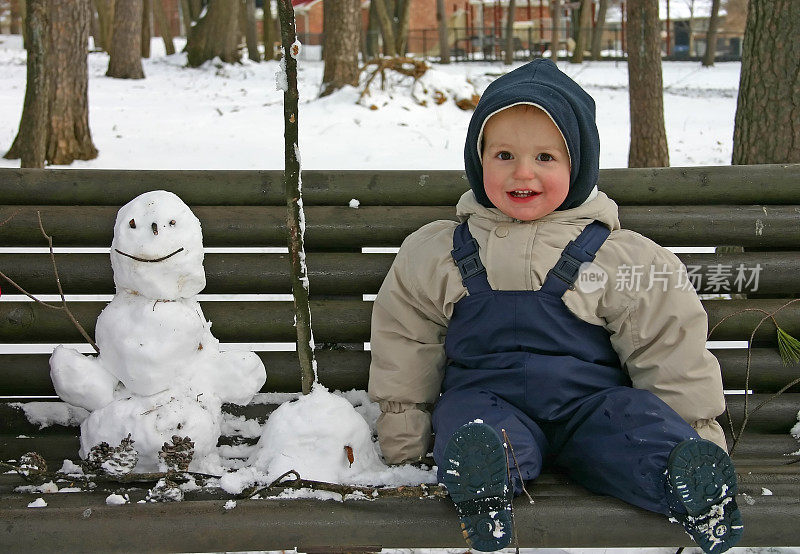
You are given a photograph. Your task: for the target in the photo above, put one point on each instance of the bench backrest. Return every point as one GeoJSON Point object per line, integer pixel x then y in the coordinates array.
{"type": "Point", "coordinates": [755, 208]}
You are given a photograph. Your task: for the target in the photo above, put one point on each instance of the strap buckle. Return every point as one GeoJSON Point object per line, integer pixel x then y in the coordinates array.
{"type": "Point", "coordinates": [568, 266]}
{"type": "Point", "coordinates": [470, 265]}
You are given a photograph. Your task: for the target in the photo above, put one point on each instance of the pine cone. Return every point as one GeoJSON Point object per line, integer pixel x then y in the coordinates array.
{"type": "Point", "coordinates": [178, 455]}
{"type": "Point", "coordinates": [123, 458]}
{"type": "Point", "coordinates": [165, 491]}
{"type": "Point", "coordinates": [98, 454]}
{"type": "Point", "coordinates": [31, 464]}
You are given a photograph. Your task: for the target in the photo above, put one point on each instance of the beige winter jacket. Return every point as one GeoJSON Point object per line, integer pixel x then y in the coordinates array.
{"type": "Point", "coordinates": [658, 326]}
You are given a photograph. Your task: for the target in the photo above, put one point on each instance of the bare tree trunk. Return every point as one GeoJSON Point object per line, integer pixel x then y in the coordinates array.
{"type": "Point", "coordinates": [268, 29]}
{"type": "Point", "coordinates": [248, 13]}
{"type": "Point", "coordinates": [371, 46]}
{"type": "Point", "coordinates": [125, 61]}
{"type": "Point", "coordinates": [23, 16]}
{"type": "Point", "coordinates": [215, 34]}
{"type": "Point", "coordinates": [582, 30]}
{"type": "Point", "coordinates": [767, 126]}
{"type": "Point", "coordinates": [15, 25]}
{"type": "Point", "coordinates": [105, 17]}
{"type": "Point", "coordinates": [146, 27]}
{"type": "Point", "coordinates": [163, 26]}
{"type": "Point", "coordinates": [648, 146]}
{"type": "Point", "coordinates": [342, 28]}
{"type": "Point", "coordinates": [386, 28]}
{"type": "Point", "coordinates": [599, 27]}
{"type": "Point", "coordinates": [186, 17]}
{"type": "Point", "coordinates": [294, 204]}
{"type": "Point", "coordinates": [401, 33]}
{"type": "Point", "coordinates": [509, 55]}
{"type": "Point", "coordinates": [31, 142]}
{"type": "Point", "coordinates": [555, 15]}
{"type": "Point", "coordinates": [711, 35]}
{"type": "Point", "coordinates": [441, 18]}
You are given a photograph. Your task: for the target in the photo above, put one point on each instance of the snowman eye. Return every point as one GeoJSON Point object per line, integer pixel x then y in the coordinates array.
{"type": "Point", "coordinates": [172, 223]}
{"type": "Point", "coordinates": [154, 226]}
{"type": "Point", "coordinates": [132, 223]}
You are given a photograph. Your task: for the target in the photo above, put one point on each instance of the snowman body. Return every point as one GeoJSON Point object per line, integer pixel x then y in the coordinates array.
{"type": "Point", "coordinates": [160, 371]}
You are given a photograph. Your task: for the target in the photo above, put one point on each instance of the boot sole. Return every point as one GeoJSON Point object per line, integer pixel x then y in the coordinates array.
{"type": "Point", "coordinates": [476, 478]}
{"type": "Point", "coordinates": [703, 479]}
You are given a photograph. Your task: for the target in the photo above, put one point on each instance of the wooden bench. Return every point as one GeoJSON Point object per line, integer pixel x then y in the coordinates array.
{"type": "Point", "coordinates": [755, 207]}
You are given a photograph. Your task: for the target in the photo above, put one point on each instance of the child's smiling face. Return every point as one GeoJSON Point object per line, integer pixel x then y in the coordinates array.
{"type": "Point", "coordinates": [526, 166]}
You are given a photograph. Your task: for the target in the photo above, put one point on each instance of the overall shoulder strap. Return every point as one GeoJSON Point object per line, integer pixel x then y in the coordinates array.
{"type": "Point", "coordinates": [583, 249]}
{"type": "Point", "coordinates": [465, 255]}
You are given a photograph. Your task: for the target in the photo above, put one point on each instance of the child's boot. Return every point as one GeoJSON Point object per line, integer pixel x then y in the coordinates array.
{"type": "Point", "coordinates": [476, 477]}
{"type": "Point", "coordinates": [702, 481]}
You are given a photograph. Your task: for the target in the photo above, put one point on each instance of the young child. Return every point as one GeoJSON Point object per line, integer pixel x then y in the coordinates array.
{"type": "Point", "coordinates": [487, 334]}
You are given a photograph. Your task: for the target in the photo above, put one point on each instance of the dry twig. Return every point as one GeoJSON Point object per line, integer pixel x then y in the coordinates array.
{"type": "Point", "coordinates": [64, 308]}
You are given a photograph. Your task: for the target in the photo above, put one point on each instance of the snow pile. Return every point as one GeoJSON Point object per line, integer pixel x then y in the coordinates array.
{"type": "Point", "coordinates": [385, 87]}
{"type": "Point", "coordinates": [38, 503]}
{"type": "Point", "coordinates": [45, 414]}
{"type": "Point", "coordinates": [323, 436]}
{"type": "Point", "coordinates": [160, 372]}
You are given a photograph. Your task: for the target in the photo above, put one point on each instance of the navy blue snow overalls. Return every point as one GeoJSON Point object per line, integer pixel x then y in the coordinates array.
{"type": "Point", "coordinates": [522, 362]}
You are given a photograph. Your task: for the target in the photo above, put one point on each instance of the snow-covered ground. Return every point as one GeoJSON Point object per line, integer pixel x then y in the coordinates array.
{"type": "Point", "coordinates": [230, 116]}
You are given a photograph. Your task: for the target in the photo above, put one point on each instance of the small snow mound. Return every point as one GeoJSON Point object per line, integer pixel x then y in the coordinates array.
{"type": "Point", "coordinates": [71, 468]}
{"type": "Point", "coordinates": [230, 505]}
{"type": "Point", "coordinates": [38, 503]}
{"type": "Point", "coordinates": [354, 203]}
{"type": "Point", "coordinates": [116, 500]}
{"type": "Point", "coordinates": [765, 492]}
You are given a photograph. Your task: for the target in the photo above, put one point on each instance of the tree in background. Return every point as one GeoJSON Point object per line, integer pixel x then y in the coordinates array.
{"type": "Point", "coordinates": [597, 34]}
{"type": "Point", "coordinates": [125, 60]}
{"type": "Point", "coordinates": [270, 31]}
{"type": "Point", "coordinates": [15, 14]}
{"type": "Point", "coordinates": [648, 135]}
{"type": "Point", "coordinates": [215, 34]}
{"type": "Point", "coordinates": [441, 18]}
{"type": "Point", "coordinates": [582, 31]}
{"type": "Point", "coordinates": [555, 37]}
{"type": "Point", "coordinates": [145, 28]}
{"type": "Point", "coordinates": [247, 17]}
{"type": "Point", "coordinates": [711, 35]}
{"type": "Point", "coordinates": [767, 127]}
{"type": "Point", "coordinates": [508, 59]}
{"type": "Point", "coordinates": [105, 23]}
{"type": "Point", "coordinates": [65, 68]}
{"type": "Point", "coordinates": [371, 42]}
{"type": "Point", "coordinates": [31, 141]}
{"type": "Point", "coordinates": [163, 26]}
{"type": "Point", "coordinates": [393, 16]}
{"type": "Point", "coordinates": [342, 28]}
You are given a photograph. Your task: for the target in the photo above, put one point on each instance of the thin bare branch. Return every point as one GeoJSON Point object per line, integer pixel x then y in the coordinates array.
{"type": "Point", "coordinates": [12, 216]}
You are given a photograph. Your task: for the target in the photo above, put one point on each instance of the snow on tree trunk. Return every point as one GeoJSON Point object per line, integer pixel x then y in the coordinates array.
{"type": "Point", "coordinates": [648, 146]}
{"type": "Point", "coordinates": [294, 198]}
{"type": "Point", "coordinates": [126, 44]}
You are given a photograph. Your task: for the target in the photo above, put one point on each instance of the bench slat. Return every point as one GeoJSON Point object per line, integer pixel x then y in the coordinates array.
{"type": "Point", "coordinates": [770, 184]}
{"type": "Point", "coordinates": [355, 274]}
{"type": "Point", "coordinates": [776, 417]}
{"type": "Point", "coordinates": [335, 321]}
{"type": "Point", "coordinates": [29, 374]}
{"type": "Point", "coordinates": [204, 526]}
{"type": "Point", "coordinates": [342, 228]}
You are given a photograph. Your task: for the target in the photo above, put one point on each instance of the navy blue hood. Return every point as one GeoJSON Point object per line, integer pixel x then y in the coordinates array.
{"type": "Point", "coordinates": [540, 82]}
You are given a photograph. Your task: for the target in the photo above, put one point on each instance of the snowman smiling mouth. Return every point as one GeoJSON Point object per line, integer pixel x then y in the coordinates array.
{"type": "Point", "coordinates": [145, 259]}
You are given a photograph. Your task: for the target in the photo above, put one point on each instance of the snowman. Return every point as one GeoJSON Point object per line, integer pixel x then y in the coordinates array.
{"type": "Point", "coordinates": [159, 372]}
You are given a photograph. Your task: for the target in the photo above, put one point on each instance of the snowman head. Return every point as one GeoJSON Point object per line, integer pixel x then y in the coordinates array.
{"type": "Point", "coordinates": [157, 250]}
